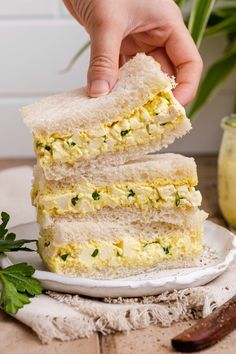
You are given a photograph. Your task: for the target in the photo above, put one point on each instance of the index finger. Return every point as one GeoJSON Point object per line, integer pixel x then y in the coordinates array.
{"type": "Point", "coordinates": [187, 60]}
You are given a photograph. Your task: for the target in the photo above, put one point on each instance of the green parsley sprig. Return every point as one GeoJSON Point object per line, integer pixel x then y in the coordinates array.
{"type": "Point", "coordinates": [8, 241]}
{"type": "Point", "coordinates": [17, 283]}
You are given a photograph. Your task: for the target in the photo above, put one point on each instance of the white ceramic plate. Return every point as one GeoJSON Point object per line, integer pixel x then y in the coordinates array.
{"type": "Point", "coordinates": [219, 254]}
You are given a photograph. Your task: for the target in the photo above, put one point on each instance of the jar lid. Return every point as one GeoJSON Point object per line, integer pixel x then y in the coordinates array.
{"type": "Point", "coordinates": [229, 121]}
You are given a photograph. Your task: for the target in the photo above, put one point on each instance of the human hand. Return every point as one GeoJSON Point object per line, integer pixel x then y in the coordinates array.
{"type": "Point", "coordinates": [119, 29]}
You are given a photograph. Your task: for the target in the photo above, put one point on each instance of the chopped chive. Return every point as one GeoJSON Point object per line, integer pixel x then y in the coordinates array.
{"type": "Point", "coordinates": [95, 252]}
{"type": "Point", "coordinates": [96, 195]}
{"type": "Point", "coordinates": [148, 129]}
{"type": "Point", "coordinates": [131, 193]}
{"type": "Point", "coordinates": [124, 132]}
{"type": "Point", "coordinates": [177, 199]}
{"type": "Point", "coordinates": [105, 138]}
{"type": "Point", "coordinates": [166, 249]}
{"type": "Point", "coordinates": [47, 147]}
{"type": "Point", "coordinates": [71, 143]}
{"type": "Point", "coordinates": [74, 200]}
{"type": "Point", "coordinates": [64, 256]}
{"type": "Point", "coordinates": [162, 124]}
{"type": "Point", "coordinates": [118, 254]}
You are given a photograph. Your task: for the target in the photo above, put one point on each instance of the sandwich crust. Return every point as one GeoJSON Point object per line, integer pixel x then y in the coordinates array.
{"type": "Point", "coordinates": [72, 111]}
{"type": "Point", "coordinates": [167, 168]}
{"type": "Point", "coordinates": [182, 217]}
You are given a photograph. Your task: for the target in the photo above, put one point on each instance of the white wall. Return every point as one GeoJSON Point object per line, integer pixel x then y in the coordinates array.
{"type": "Point", "coordinates": [37, 40]}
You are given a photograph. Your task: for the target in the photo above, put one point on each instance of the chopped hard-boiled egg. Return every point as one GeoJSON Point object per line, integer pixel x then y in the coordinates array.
{"type": "Point", "coordinates": [128, 251]}
{"type": "Point", "coordinates": [86, 198]}
{"type": "Point", "coordinates": [144, 124]}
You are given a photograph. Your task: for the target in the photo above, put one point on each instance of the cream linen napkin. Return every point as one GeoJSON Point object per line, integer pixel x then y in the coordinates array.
{"type": "Point", "coordinates": [68, 317]}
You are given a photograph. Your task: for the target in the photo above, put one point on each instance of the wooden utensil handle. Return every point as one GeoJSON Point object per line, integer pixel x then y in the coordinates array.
{"type": "Point", "coordinates": [208, 330]}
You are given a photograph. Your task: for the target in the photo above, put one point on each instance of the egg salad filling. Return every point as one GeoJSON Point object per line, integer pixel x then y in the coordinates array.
{"type": "Point", "coordinates": [131, 252]}
{"type": "Point", "coordinates": [86, 198]}
{"type": "Point", "coordinates": [145, 123]}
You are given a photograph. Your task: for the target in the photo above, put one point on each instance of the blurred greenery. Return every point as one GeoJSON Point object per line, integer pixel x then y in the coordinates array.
{"type": "Point", "coordinates": [213, 18]}
{"type": "Point", "coordinates": [198, 18]}
{"type": "Point", "coordinates": [214, 76]}
{"type": "Point", "coordinates": [205, 18]}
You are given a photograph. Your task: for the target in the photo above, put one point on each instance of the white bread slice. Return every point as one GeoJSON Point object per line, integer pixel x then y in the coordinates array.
{"type": "Point", "coordinates": [72, 111]}
{"type": "Point", "coordinates": [70, 231]}
{"type": "Point", "coordinates": [166, 168]}
{"type": "Point", "coordinates": [188, 218]}
{"type": "Point", "coordinates": [77, 238]}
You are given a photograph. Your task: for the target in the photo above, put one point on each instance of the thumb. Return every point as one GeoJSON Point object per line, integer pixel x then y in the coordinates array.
{"type": "Point", "coordinates": [104, 61]}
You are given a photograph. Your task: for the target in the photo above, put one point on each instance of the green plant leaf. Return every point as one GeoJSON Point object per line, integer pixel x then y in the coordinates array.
{"type": "Point", "coordinates": [228, 25]}
{"type": "Point", "coordinates": [76, 57]}
{"type": "Point", "coordinates": [3, 230]}
{"type": "Point", "coordinates": [224, 8]}
{"type": "Point", "coordinates": [180, 3]}
{"type": "Point", "coordinates": [214, 76]}
{"type": "Point", "coordinates": [18, 286]}
{"type": "Point", "coordinates": [20, 275]}
{"type": "Point", "coordinates": [11, 300]}
{"type": "Point", "coordinates": [10, 245]}
{"type": "Point", "coordinates": [199, 16]}
{"type": "Point", "coordinates": [225, 12]}
{"type": "Point", "coordinates": [17, 283]}
{"type": "Point", "coordinates": [8, 241]}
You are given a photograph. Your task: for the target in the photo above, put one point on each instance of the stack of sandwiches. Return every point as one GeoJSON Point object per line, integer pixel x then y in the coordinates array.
{"type": "Point", "coordinates": [105, 208]}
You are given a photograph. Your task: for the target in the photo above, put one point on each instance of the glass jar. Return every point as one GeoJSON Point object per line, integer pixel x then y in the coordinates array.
{"type": "Point", "coordinates": [227, 171]}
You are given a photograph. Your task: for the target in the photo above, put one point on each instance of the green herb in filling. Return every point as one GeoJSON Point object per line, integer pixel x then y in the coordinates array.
{"type": "Point", "coordinates": [124, 132]}
{"type": "Point", "coordinates": [96, 195]}
{"type": "Point", "coordinates": [47, 147]}
{"type": "Point", "coordinates": [71, 143]}
{"type": "Point", "coordinates": [162, 124]}
{"type": "Point", "coordinates": [131, 193]}
{"type": "Point", "coordinates": [95, 252]}
{"type": "Point", "coordinates": [74, 200]}
{"type": "Point", "coordinates": [148, 129]}
{"type": "Point", "coordinates": [64, 256]}
{"type": "Point", "coordinates": [177, 199]}
{"type": "Point", "coordinates": [166, 249]}
{"type": "Point", "coordinates": [118, 254]}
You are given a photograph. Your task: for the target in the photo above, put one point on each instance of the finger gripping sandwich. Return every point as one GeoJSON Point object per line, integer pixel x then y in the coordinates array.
{"type": "Point", "coordinates": [140, 115]}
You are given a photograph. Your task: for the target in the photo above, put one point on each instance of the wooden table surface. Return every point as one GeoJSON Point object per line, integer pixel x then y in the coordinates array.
{"type": "Point", "coordinates": [16, 338]}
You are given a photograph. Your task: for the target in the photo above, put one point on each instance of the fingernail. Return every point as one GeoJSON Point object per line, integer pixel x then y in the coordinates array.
{"type": "Point", "coordinates": [99, 88]}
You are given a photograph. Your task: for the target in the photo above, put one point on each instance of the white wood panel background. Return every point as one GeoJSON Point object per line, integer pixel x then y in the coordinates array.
{"type": "Point", "coordinates": [37, 40]}
{"type": "Point", "coordinates": [24, 8]}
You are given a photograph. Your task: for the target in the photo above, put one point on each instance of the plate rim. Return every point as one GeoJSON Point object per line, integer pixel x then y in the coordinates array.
{"type": "Point", "coordinates": [183, 279]}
